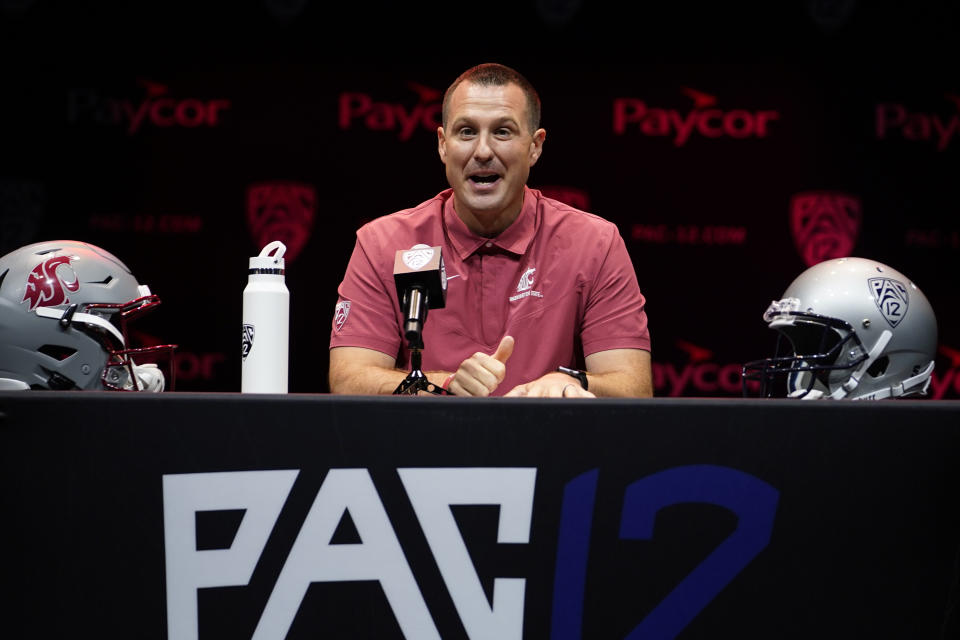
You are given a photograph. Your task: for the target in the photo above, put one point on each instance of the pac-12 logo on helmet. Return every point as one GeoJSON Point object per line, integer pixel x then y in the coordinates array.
{"type": "Point", "coordinates": [891, 298]}
{"type": "Point", "coordinates": [46, 283]}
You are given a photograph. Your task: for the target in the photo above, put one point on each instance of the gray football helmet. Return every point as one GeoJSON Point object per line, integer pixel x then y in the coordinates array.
{"type": "Point", "coordinates": [64, 309]}
{"type": "Point", "coordinates": [851, 328]}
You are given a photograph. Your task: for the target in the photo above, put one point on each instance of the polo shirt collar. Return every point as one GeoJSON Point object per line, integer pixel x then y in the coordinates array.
{"type": "Point", "coordinates": [514, 239]}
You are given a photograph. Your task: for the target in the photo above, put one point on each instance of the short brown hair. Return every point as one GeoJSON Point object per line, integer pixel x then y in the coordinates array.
{"type": "Point", "coordinates": [497, 75]}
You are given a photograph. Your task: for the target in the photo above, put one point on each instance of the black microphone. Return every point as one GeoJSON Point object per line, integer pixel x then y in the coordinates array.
{"type": "Point", "coordinates": [421, 285]}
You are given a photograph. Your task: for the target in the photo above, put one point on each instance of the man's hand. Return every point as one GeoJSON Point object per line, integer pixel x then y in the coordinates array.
{"type": "Point", "coordinates": [624, 373]}
{"type": "Point", "coordinates": [481, 374]}
{"type": "Point", "coordinates": [551, 385]}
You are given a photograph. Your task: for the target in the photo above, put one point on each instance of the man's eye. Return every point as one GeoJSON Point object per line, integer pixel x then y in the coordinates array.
{"type": "Point", "coordinates": [503, 132]}
{"type": "Point", "coordinates": [466, 132]}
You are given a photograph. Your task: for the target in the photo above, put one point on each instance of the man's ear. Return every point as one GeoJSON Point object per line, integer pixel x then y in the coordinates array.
{"type": "Point", "coordinates": [536, 145]}
{"type": "Point", "coordinates": [442, 145]}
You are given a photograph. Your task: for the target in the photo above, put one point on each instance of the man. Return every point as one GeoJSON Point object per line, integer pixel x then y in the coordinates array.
{"type": "Point", "coordinates": [533, 284]}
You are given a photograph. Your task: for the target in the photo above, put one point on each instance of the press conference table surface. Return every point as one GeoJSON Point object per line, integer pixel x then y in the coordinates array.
{"type": "Point", "coordinates": [188, 515]}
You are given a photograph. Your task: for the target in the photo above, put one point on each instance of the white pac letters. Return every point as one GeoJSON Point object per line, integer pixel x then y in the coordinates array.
{"type": "Point", "coordinates": [431, 492]}
{"type": "Point", "coordinates": [377, 557]}
{"type": "Point", "coordinates": [260, 493]}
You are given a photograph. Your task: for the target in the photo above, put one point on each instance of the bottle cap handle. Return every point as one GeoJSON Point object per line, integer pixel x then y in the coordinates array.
{"type": "Point", "coordinates": [275, 245]}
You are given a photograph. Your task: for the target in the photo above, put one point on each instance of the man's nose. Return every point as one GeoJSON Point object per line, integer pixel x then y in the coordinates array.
{"type": "Point", "coordinates": [483, 152]}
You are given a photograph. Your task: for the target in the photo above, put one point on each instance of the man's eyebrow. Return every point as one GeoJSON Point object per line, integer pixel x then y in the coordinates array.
{"type": "Point", "coordinates": [471, 120]}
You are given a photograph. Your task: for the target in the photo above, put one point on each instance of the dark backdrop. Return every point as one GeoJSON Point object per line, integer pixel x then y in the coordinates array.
{"type": "Point", "coordinates": [183, 137]}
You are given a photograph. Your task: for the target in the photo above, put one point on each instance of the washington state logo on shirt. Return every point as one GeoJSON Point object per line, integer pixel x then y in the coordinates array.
{"type": "Point", "coordinates": [891, 298]}
{"type": "Point", "coordinates": [525, 286]}
{"type": "Point", "coordinates": [526, 280]}
{"type": "Point", "coordinates": [46, 283]}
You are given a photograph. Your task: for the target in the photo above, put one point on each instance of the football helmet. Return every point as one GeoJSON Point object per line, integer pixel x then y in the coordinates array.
{"type": "Point", "coordinates": [64, 310]}
{"type": "Point", "coordinates": [848, 328]}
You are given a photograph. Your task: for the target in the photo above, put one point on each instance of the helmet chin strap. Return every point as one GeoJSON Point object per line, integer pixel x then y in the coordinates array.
{"type": "Point", "coordinates": [85, 318]}
{"type": "Point", "coordinates": [149, 377]}
{"type": "Point", "coordinates": [803, 394]}
{"type": "Point", "coordinates": [9, 384]}
{"type": "Point", "coordinates": [907, 387]}
{"type": "Point", "coordinates": [844, 390]}
{"type": "Point", "coordinates": [910, 384]}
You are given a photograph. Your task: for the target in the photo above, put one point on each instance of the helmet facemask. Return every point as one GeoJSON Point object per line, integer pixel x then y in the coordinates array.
{"type": "Point", "coordinates": [849, 328]}
{"type": "Point", "coordinates": [814, 357]}
{"type": "Point", "coordinates": [152, 370]}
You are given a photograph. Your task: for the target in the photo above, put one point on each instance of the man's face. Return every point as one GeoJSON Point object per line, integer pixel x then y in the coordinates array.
{"type": "Point", "coordinates": [488, 150]}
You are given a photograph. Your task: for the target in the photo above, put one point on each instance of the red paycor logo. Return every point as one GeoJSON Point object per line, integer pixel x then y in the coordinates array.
{"type": "Point", "coordinates": [703, 119]}
{"type": "Point", "coordinates": [157, 108]}
{"type": "Point", "coordinates": [389, 116]}
{"type": "Point", "coordinates": [699, 375]}
{"type": "Point", "coordinates": [895, 119]}
{"type": "Point", "coordinates": [941, 386]}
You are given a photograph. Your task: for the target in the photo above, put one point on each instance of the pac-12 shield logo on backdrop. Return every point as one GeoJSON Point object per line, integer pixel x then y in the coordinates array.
{"type": "Point", "coordinates": [282, 211]}
{"type": "Point", "coordinates": [248, 331]}
{"type": "Point", "coordinates": [46, 283]}
{"type": "Point", "coordinates": [825, 224]}
{"type": "Point", "coordinates": [891, 298]}
{"type": "Point", "coordinates": [340, 314]}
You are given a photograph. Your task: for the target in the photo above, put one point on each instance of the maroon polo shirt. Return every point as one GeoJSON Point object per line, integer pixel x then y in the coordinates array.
{"type": "Point", "coordinates": [558, 280]}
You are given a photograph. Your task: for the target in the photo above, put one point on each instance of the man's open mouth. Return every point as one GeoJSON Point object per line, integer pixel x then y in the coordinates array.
{"type": "Point", "coordinates": [485, 179]}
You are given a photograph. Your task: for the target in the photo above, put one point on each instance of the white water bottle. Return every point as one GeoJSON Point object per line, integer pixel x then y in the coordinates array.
{"type": "Point", "coordinates": [266, 323]}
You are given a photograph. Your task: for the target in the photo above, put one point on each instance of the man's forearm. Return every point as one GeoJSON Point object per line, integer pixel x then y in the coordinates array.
{"type": "Point", "coordinates": [374, 380]}
{"type": "Point", "coordinates": [620, 373]}
{"type": "Point", "coordinates": [619, 384]}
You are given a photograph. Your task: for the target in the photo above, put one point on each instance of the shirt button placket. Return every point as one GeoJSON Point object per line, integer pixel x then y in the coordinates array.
{"type": "Point", "coordinates": [493, 303]}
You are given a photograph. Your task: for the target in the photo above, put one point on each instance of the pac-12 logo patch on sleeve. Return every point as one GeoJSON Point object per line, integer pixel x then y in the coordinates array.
{"type": "Point", "coordinates": [891, 298]}
{"type": "Point", "coordinates": [340, 314]}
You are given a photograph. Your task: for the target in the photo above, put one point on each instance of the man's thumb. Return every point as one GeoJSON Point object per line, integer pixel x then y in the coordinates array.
{"type": "Point", "coordinates": [505, 350]}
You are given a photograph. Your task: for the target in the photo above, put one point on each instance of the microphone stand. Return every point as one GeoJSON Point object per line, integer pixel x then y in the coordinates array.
{"type": "Point", "coordinates": [416, 380]}
{"type": "Point", "coordinates": [416, 315]}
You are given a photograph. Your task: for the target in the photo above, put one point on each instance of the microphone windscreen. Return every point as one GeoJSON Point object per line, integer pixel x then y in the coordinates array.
{"type": "Point", "coordinates": [421, 266]}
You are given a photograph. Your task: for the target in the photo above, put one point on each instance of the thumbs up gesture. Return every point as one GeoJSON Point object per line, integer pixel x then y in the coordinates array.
{"type": "Point", "coordinates": [481, 373]}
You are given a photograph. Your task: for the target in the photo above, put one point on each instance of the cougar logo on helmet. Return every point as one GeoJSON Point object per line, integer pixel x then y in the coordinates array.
{"type": "Point", "coordinates": [891, 298]}
{"type": "Point", "coordinates": [45, 284]}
